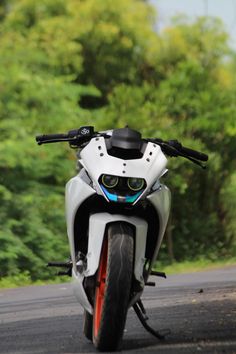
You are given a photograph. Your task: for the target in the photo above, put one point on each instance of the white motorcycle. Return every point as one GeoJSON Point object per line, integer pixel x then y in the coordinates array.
{"type": "Point", "coordinates": [116, 211]}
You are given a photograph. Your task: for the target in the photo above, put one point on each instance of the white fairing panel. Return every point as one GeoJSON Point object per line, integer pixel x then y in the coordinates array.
{"type": "Point", "coordinates": [77, 190]}
{"type": "Point", "coordinates": [79, 291]}
{"type": "Point", "coordinates": [97, 161]}
{"type": "Point", "coordinates": [161, 200]}
{"type": "Point", "coordinates": [97, 226]}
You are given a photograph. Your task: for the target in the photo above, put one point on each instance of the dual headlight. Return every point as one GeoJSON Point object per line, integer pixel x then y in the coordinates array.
{"type": "Point", "coordinates": [134, 184]}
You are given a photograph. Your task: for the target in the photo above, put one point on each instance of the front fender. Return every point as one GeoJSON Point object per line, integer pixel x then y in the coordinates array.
{"type": "Point", "coordinates": [97, 227]}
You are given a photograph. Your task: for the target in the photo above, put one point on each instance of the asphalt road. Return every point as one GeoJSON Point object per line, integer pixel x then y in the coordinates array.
{"type": "Point", "coordinates": [199, 309]}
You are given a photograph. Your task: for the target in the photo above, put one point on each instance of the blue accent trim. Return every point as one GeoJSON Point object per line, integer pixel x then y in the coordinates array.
{"type": "Point", "coordinates": [132, 198]}
{"type": "Point", "coordinates": [115, 197]}
{"type": "Point", "coordinates": [112, 197]}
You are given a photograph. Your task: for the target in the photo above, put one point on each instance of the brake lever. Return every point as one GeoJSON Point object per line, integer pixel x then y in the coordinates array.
{"type": "Point", "coordinates": [193, 160]}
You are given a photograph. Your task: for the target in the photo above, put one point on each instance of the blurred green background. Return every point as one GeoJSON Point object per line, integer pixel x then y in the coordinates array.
{"type": "Point", "coordinates": [64, 64]}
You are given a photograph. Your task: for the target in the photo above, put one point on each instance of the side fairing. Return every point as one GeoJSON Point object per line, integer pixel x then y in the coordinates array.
{"type": "Point", "coordinates": [77, 190]}
{"type": "Point", "coordinates": [161, 200]}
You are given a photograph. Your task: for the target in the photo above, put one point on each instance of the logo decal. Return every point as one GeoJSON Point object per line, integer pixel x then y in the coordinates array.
{"type": "Point", "coordinates": [85, 131]}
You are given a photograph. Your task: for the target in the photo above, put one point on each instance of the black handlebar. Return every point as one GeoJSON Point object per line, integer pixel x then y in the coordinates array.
{"type": "Point", "coordinates": [78, 137]}
{"type": "Point", "coordinates": [75, 137]}
{"type": "Point", "coordinates": [186, 151]}
{"type": "Point", "coordinates": [47, 137]}
{"type": "Point", "coordinates": [195, 154]}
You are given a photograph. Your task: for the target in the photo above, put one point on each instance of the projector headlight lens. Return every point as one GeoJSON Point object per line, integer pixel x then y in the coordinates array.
{"type": "Point", "coordinates": [110, 181]}
{"type": "Point", "coordinates": [135, 184]}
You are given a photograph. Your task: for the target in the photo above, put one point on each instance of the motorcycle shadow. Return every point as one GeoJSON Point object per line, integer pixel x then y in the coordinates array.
{"type": "Point", "coordinates": [138, 343]}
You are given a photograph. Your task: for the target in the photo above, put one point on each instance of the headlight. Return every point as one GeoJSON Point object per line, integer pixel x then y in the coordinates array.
{"type": "Point", "coordinates": [109, 181]}
{"type": "Point", "coordinates": [135, 184]}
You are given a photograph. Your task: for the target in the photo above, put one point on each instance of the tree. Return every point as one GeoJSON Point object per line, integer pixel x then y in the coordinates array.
{"type": "Point", "coordinates": [65, 64]}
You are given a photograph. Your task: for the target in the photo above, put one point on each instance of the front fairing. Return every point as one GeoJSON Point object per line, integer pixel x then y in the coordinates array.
{"type": "Point", "coordinates": [96, 161]}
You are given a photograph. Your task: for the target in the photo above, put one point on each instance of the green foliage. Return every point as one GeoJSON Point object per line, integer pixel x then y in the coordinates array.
{"type": "Point", "coordinates": [195, 265]}
{"type": "Point", "coordinates": [65, 64]}
{"type": "Point", "coordinates": [21, 279]}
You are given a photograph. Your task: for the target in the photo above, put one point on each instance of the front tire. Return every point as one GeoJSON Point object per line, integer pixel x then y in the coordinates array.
{"type": "Point", "coordinates": [113, 287]}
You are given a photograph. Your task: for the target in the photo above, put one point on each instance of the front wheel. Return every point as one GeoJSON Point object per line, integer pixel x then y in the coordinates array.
{"type": "Point", "coordinates": [113, 287]}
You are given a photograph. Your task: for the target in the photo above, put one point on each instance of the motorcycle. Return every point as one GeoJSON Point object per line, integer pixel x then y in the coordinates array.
{"type": "Point", "coordinates": [116, 213]}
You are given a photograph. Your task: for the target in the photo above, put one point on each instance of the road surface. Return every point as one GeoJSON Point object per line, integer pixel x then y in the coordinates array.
{"type": "Point", "coordinates": [198, 308]}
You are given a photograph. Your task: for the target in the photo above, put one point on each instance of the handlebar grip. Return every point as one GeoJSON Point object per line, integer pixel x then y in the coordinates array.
{"type": "Point", "coordinates": [44, 137]}
{"type": "Point", "coordinates": [195, 154]}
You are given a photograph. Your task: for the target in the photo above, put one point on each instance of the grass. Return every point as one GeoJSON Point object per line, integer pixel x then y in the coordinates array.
{"type": "Point", "coordinates": [23, 279]}
{"type": "Point", "coordinates": [195, 265]}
